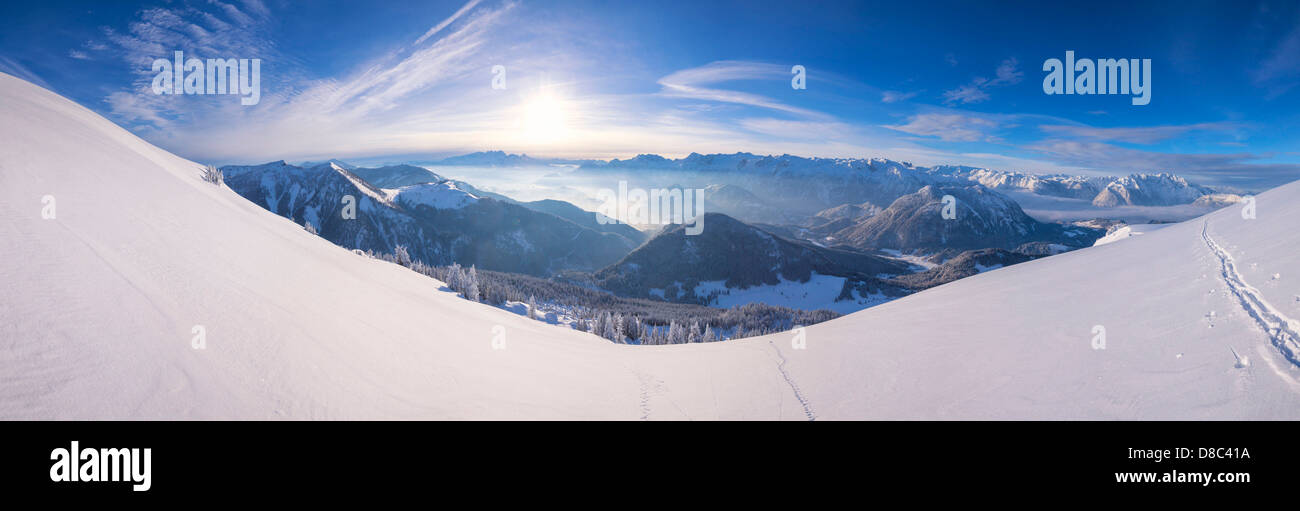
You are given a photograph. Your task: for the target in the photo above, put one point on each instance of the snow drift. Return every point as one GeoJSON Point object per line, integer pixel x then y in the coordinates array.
{"type": "Point", "coordinates": [102, 304]}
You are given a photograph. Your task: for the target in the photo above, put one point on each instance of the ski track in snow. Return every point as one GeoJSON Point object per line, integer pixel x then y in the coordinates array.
{"type": "Point", "coordinates": [650, 387]}
{"type": "Point", "coordinates": [1281, 330]}
{"type": "Point", "coordinates": [643, 381]}
{"type": "Point", "coordinates": [780, 366]}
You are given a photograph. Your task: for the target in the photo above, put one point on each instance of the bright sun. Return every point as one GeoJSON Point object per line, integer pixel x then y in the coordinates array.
{"type": "Point", "coordinates": [545, 118]}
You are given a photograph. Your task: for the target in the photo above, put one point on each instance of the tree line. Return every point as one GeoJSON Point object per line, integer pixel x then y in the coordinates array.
{"type": "Point", "coordinates": [619, 319]}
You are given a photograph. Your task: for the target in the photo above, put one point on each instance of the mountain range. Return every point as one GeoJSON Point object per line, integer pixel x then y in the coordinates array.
{"type": "Point", "coordinates": [835, 250]}
{"type": "Point", "coordinates": [439, 221]}
{"type": "Point", "coordinates": [788, 189]}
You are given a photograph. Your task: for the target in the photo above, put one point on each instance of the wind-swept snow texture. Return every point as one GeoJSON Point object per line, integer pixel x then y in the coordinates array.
{"type": "Point", "coordinates": [101, 303]}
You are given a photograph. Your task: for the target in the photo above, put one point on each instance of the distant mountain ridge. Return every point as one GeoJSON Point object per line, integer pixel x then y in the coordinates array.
{"type": "Point", "coordinates": [891, 179]}
{"type": "Point", "coordinates": [503, 159]}
{"type": "Point", "coordinates": [673, 265]}
{"type": "Point", "coordinates": [439, 221]}
{"type": "Point", "coordinates": [395, 176]}
{"type": "Point", "coordinates": [982, 219]}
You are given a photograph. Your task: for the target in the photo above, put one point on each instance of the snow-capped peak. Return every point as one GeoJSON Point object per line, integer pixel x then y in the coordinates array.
{"type": "Point", "coordinates": [443, 195]}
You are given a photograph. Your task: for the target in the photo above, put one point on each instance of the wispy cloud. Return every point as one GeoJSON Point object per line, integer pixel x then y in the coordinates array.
{"type": "Point", "coordinates": [969, 93]}
{"type": "Point", "coordinates": [16, 68]}
{"type": "Point", "coordinates": [1244, 170]}
{"type": "Point", "coordinates": [1279, 72]}
{"type": "Point", "coordinates": [949, 127]}
{"type": "Point", "coordinates": [1007, 73]}
{"type": "Point", "coordinates": [205, 30]}
{"type": "Point", "coordinates": [438, 28]}
{"type": "Point", "coordinates": [299, 114]}
{"type": "Point", "coordinates": [890, 96]}
{"type": "Point", "coordinates": [783, 128]}
{"type": "Point", "coordinates": [1137, 134]}
{"type": "Point", "coordinates": [695, 83]}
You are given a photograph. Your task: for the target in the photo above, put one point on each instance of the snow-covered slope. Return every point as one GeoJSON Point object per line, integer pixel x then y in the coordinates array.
{"type": "Point", "coordinates": [101, 303]}
{"type": "Point", "coordinates": [444, 195]}
{"type": "Point", "coordinates": [1128, 231]}
{"type": "Point", "coordinates": [396, 176]}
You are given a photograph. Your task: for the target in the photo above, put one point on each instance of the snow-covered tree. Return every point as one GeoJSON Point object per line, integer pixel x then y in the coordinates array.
{"type": "Point", "coordinates": [471, 290]}
{"type": "Point", "coordinates": [617, 332]}
{"type": "Point", "coordinates": [635, 330]}
{"type": "Point", "coordinates": [676, 335]}
{"type": "Point", "coordinates": [213, 175]}
{"type": "Point", "coordinates": [403, 257]}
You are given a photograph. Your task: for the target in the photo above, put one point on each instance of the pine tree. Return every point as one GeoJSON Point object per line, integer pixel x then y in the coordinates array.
{"type": "Point", "coordinates": [532, 307]}
{"type": "Point", "coordinates": [454, 277]}
{"type": "Point", "coordinates": [617, 332]}
{"type": "Point", "coordinates": [213, 175]}
{"type": "Point", "coordinates": [606, 330]}
{"type": "Point", "coordinates": [636, 329]}
{"type": "Point", "coordinates": [403, 257]}
{"type": "Point", "coordinates": [675, 333]}
{"type": "Point", "coordinates": [471, 284]}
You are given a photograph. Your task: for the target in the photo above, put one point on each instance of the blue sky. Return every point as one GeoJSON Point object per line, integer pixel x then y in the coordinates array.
{"type": "Point", "coordinates": [924, 82]}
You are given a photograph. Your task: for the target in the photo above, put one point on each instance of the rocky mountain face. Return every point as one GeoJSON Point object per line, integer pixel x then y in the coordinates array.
{"type": "Point", "coordinates": [981, 218]}
{"type": "Point", "coordinates": [1149, 190]}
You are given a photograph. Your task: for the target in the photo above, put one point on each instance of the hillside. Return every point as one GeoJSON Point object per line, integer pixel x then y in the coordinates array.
{"type": "Point", "coordinates": [729, 256]}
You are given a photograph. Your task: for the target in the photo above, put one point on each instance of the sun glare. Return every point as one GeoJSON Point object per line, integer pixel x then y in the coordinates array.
{"type": "Point", "coordinates": [545, 118]}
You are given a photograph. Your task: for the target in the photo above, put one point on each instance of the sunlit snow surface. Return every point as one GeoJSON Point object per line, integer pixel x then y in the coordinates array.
{"type": "Point", "coordinates": [1128, 231]}
{"type": "Point", "coordinates": [444, 195]}
{"type": "Point", "coordinates": [101, 304]}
